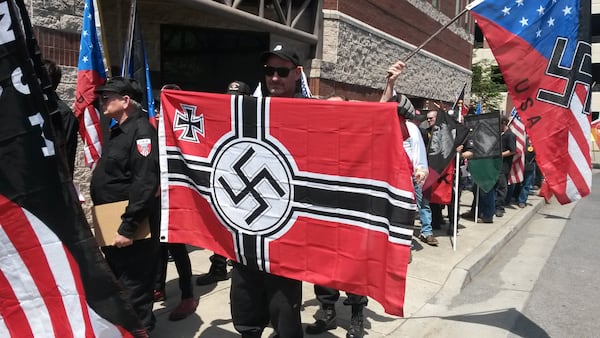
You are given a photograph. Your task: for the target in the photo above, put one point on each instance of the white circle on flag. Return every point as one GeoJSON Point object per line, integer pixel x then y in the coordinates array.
{"type": "Point", "coordinates": [251, 187]}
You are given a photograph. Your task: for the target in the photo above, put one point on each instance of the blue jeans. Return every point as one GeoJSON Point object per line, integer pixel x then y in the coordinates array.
{"type": "Point", "coordinates": [528, 178]}
{"type": "Point", "coordinates": [487, 203]}
{"type": "Point", "coordinates": [424, 211]}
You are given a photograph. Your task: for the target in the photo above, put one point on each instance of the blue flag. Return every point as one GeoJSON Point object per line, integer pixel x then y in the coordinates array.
{"type": "Point", "coordinates": [135, 64]}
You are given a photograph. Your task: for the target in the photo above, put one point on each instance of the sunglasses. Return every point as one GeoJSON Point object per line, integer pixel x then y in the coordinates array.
{"type": "Point", "coordinates": [281, 71]}
{"type": "Point", "coordinates": [108, 97]}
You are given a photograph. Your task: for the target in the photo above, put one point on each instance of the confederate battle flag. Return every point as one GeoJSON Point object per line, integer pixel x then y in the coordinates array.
{"type": "Point", "coordinates": [314, 190]}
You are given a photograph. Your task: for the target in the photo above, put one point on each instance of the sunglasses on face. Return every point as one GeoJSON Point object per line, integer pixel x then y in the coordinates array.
{"type": "Point", "coordinates": [108, 97]}
{"type": "Point", "coordinates": [281, 71]}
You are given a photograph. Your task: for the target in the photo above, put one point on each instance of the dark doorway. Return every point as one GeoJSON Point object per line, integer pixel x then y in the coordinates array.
{"type": "Point", "coordinates": [208, 59]}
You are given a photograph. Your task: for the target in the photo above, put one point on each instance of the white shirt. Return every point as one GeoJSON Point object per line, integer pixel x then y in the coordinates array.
{"type": "Point", "coordinates": [415, 148]}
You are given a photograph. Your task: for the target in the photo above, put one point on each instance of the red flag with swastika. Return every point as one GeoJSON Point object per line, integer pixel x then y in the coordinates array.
{"type": "Point", "coordinates": [283, 185]}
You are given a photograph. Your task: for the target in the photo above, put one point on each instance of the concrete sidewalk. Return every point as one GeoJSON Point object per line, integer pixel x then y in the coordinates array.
{"type": "Point", "coordinates": [433, 270]}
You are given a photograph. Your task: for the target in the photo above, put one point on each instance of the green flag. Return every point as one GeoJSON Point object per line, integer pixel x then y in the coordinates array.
{"type": "Point", "coordinates": [485, 143]}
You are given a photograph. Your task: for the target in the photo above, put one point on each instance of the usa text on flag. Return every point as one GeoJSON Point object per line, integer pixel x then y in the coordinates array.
{"type": "Point", "coordinates": [53, 280]}
{"type": "Point", "coordinates": [282, 185]}
{"type": "Point", "coordinates": [543, 50]}
{"type": "Point", "coordinates": [90, 74]}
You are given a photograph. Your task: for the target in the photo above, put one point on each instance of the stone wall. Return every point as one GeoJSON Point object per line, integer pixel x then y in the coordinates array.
{"type": "Point", "coordinates": [355, 53]}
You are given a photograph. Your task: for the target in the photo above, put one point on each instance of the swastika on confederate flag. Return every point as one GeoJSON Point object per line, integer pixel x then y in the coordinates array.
{"type": "Point", "coordinates": [314, 190]}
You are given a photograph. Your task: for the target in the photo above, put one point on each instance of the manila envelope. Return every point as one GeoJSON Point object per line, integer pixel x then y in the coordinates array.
{"type": "Point", "coordinates": [107, 219]}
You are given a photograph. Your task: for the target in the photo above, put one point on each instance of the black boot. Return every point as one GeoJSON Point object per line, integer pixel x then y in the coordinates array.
{"type": "Point", "coordinates": [216, 273]}
{"type": "Point", "coordinates": [357, 329]}
{"type": "Point", "coordinates": [327, 323]}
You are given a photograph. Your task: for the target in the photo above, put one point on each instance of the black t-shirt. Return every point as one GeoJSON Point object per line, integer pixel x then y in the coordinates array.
{"type": "Point", "coordinates": [509, 142]}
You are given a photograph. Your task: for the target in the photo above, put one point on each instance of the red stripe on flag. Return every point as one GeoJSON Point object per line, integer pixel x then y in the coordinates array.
{"type": "Point", "coordinates": [12, 313]}
{"type": "Point", "coordinates": [518, 164]}
{"type": "Point", "coordinates": [89, 330]}
{"type": "Point", "coordinates": [25, 241]}
{"type": "Point", "coordinates": [91, 134]}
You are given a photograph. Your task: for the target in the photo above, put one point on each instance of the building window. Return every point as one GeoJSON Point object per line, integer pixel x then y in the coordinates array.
{"type": "Point", "coordinates": [435, 4]}
{"type": "Point", "coordinates": [478, 43]}
{"type": "Point", "coordinates": [207, 59]}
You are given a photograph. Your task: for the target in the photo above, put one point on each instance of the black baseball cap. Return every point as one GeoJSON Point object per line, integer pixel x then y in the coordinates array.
{"type": "Point", "coordinates": [238, 88]}
{"type": "Point", "coordinates": [282, 51]}
{"type": "Point", "coordinates": [121, 86]}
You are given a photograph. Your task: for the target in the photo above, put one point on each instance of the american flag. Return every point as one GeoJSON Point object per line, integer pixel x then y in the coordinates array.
{"type": "Point", "coordinates": [91, 73]}
{"type": "Point", "coordinates": [518, 164]}
{"type": "Point", "coordinates": [54, 281]}
{"type": "Point", "coordinates": [543, 50]}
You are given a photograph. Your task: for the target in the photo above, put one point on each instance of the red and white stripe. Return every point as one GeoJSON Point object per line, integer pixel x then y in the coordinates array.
{"type": "Point", "coordinates": [91, 134]}
{"type": "Point", "coordinates": [40, 284]}
{"type": "Point", "coordinates": [518, 164]}
{"type": "Point", "coordinates": [579, 169]}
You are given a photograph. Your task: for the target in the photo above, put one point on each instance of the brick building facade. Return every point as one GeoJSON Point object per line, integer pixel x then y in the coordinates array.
{"type": "Point", "coordinates": [203, 44]}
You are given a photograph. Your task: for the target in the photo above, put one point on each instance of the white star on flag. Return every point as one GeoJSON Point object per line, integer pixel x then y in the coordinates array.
{"type": "Point", "coordinates": [524, 22]}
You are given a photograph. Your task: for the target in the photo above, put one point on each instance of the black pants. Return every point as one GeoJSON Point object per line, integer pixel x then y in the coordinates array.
{"type": "Point", "coordinates": [501, 190]}
{"type": "Point", "coordinates": [258, 297]}
{"type": "Point", "coordinates": [183, 265]}
{"type": "Point", "coordinates": [134, 267]}
{"type": "Point", "coordinates": [330, 296]}
{"type": "Point", "coordinates": [437, 219]}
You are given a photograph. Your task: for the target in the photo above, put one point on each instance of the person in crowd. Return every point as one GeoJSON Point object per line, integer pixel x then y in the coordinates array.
{"type": "Point", "coordinates": [426, 234]}
{"type": "Point", "coordinates": [509, 147]}
{"type": "Point", "coordinates": [437, 220]}
{"type": "Point", "coordinates": [528, 173]}
{"type": "Point", "coordinates": [328, 297]}
{"type": "Point", "coordinates": [258, 297]}
{"type": "Point", "coordinates": [179, 253]}
{"type": "Point", "coordinates": [128, 171]}
{"type": "Point", "coordinates": [218, 264]}
{"type": "Point", "coordinates": [69, 124]}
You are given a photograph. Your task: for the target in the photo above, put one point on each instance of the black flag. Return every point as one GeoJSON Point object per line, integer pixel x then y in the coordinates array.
{"type": "Point", "coordinates": [53, 278]}
{"type": "Point", "coordinates": [446, 135]}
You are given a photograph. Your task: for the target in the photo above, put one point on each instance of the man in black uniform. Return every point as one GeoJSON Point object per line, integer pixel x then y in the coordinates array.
{"type": "Point", "coordinates": [128, 171]}
{"type": "Point", "coordinates": [258, 297]}
{"type": "Point", "coordinates": [509, 148]}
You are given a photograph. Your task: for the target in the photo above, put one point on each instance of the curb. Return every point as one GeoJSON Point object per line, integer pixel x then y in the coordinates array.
{"type": "Point", "coordinates": [464, 272]}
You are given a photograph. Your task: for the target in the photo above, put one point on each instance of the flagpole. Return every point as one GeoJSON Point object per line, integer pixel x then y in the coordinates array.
{"type": "Point", "coordinates": [129, 44]}
{"type": "Point", "coordinates": [107, 64]}
{"type": "Point", "coordinates": [434, 35]}
{"type": "Point", "coordinates": [103, 43]}
{"type": "Point", "coordinates": [476, 196]}
{"type": "Point", "coordinates": [456, 197]}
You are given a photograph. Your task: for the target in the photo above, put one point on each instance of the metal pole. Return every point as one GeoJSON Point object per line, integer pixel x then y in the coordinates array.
{"type": "Point", "coordinates": [434, 35]}
{"type": "Point", "coordinates": [129, 44]}
{"type": "Point", "coordinates": [456, 198]}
